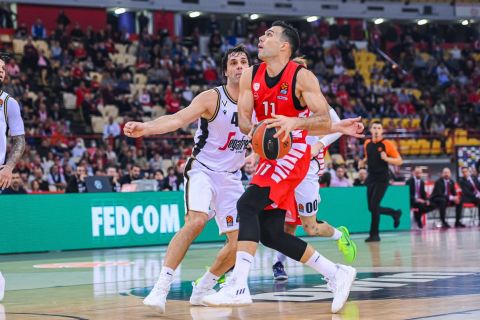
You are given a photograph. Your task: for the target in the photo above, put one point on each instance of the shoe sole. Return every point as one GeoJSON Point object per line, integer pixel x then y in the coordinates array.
{"type": "Point", "coordinates": [352, 280]}
{"type": "Point", "coordinates": [154, 307]}
{"type": "Point", "coordinates": [280, 278]}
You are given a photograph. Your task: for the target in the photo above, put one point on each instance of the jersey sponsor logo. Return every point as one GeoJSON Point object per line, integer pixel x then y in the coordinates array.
{"type": "Point", "coordinates": [235, 144]}
{"type": "Point", "coordinates": [282, 98]}
{"type": "Point", "coordinates": [256, 86]}
{"type": "Point", "coordinates": [284, 88]}
{"type": "Point", "coordinates": [224, 102]}
{"type": "Point", "coordinates": [229, 221]}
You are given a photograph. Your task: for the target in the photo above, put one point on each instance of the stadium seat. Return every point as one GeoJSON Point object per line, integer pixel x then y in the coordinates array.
{"type": "Point", "coordinates": [157, 111]}
{"type": "Point", "coordinates": [436, 147]}
{"type": "Point", "coordinates": [69, 101]}
{"type": "Point", "coordinates": [111, 110]}
{"type": "Point", "coordinates": [140, 78]}
{"type": "Point", "coordinates": [98, 124]}
{"type": "Point", "coordinates": [18, 45]}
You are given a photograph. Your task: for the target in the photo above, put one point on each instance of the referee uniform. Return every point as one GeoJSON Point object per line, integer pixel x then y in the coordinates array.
{"type": "Point", "coordinates": [377, 183]}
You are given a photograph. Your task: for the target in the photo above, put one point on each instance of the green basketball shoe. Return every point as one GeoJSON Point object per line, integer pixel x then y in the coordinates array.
{"type": "Point", "coordinates": [346, 245]}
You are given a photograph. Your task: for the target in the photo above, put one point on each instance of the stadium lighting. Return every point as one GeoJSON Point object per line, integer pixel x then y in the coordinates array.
{"type": "Point", "coordinates": [421, 22]}
{"type": "Point", "coordinates": [254, 16]}
{"type": "Point", "coordinates": [119, 11]}
{"type": "Point", "coordinates": [465, 23]}
{"type": "Point", "coordinates": [312, 19]}
{"type": "Point", "coordinates": [379, 21]}
{"type": "Point", "coordinates": [194, 14]}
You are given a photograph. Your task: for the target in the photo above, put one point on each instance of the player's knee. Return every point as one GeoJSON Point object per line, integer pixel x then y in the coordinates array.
{"type": "Point", "coordinates": [195, 221]}
{"type": "Point", "coordinates": [269, 238]}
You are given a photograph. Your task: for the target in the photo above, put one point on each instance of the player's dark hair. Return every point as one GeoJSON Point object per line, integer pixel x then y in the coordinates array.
{"type": "Point", "coordinates": [375, 122]}
{"type": "Point", "coordinates": [290, 34]}
{"type": "Point", "coordinates": [238, 49]}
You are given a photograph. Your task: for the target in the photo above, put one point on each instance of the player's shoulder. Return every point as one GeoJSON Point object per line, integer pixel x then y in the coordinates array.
{"type": "Point", "coordinates": [389, 143]}
{"type": "Point", "coordinates": [367, 142]}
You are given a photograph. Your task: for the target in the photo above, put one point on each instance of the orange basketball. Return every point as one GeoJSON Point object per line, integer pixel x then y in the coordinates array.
{"type": "Point", "coordinates": [268, 147]}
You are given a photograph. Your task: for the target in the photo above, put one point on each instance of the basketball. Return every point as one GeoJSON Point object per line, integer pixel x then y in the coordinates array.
{"type": "Point", "coordinates": [268, 147]}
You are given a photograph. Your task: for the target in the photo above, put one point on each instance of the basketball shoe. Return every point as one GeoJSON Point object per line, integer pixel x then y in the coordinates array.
{"type": "Point", "coordinates": [340, 286]}
{"type": "Point", "coordinates": [198, 293]}
{"type": "Point", "coordinates": [157, 298]}
{"type": "Point", "coordinates": [346, 245]}
{"type": "Point", "coordinates": [279, 272]}
{"type": "Point", "coordinates": [230, 295]}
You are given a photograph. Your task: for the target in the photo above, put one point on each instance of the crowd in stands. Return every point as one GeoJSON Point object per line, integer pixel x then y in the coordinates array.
{"type": "Point", "coordinates": [435, 86]}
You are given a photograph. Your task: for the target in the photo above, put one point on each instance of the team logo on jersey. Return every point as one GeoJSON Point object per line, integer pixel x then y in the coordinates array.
{"type": "Point", "coordinates": [256, 86]}
{"type": "Point", "coordinates": [235, 144]}
{"type": "Point", "coordinates": [1, 102]}
{"type": "Point", "coordinates": [229, 220]}
{"type": "Point", "coordinates": [301, 208]}
{"type": "Point", "coordinates": [224, 111]}
{"type": "Point", "coordinates": [284, 88]}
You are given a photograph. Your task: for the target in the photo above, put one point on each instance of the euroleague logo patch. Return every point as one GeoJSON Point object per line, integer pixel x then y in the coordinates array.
{"type": "Point", "coordinates": [229, 220]}
{"type": "Point", "coordinates": [284, 88]}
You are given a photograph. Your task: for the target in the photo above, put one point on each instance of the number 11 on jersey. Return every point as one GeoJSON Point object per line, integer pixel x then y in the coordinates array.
{"type": "Point", "coordinates": [266, 106]}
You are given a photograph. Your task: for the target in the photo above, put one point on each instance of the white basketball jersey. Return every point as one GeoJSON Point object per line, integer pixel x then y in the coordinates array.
{"type": "Point", "coordinates": [219, 143]}
{"type": "Point", "coordinates": [3, 126]}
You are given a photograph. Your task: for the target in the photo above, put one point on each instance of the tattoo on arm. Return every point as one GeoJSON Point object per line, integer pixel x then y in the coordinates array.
{"type": "Point", "coordinates": [18, 147]}
{"type": "Point", "coordinates": [316, 121]}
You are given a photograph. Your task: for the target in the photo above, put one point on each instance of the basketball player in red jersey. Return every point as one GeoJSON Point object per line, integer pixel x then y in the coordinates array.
{"type": "Point", "coordinates": [279, 90]}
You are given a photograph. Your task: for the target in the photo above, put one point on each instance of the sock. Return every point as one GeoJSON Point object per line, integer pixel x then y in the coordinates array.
{"type": "Point", "coordinates": [322, 265]}
{"type": "Point", "coordinates": [166, 274]}
{"type": "Point", "coordinates": [280, 257]}
{"type": "Point", "coordinates": [208, 280]}
{"type": "Point", "coordinates": [337, 234]}
{"type": "Point", "coordinates": [242, 266]}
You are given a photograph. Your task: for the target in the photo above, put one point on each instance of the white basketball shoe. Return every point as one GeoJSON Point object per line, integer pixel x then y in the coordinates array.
{"type": "Point", "coordinates": [341, 285]}
{"type": "Point", "coordinates": [157, 298]}
{"type": "Point", "coordinates": [232, 294]}
{"type": "Point", "coordinates": [198, 293]}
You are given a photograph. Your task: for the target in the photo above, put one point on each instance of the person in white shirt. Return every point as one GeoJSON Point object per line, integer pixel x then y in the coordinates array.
{"type": "Point", "coordinates": [111, 129]}
{"type": "Point", "coordinates": [339, 179]}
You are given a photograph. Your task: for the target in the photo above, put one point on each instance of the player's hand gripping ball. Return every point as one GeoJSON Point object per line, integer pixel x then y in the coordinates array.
{"type": "Point", "coordinates": [268, 147]}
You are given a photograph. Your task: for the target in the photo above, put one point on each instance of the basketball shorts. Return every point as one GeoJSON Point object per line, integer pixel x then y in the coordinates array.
{"type": "Point", "coordinates": [214, 193]}
{"type": "Point", "coordinates": [283, 176]}
{"type": "Point", "coordinates": [307, 193]}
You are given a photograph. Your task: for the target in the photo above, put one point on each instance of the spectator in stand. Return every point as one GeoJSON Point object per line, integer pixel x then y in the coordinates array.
{"type": "Point", "coordinates": [160, 177]}
{"type": "Point", "coordinates": [76, 184]}
{"type": "Point", "coordinates": [16, 187]}
{"type": "Point", "coordinates": [361, 179]}
{"type": "Point", "coordinates": [172, 180]}
{"type": "Point", "coordinates": [155, 162]}
{"type": "Point", "coordinates": [134, 174]}
{"type": "Point", "coordinates": [247, 172]}
{"type": "Point", "coordinates": [112, 173]}
{"type": "Point", "coordinates": [418, 196]}
{"type": "Point", "coordinates": [470, 188]}
{"type": "Point", "coordinates": [38, 30]}
{"type": "Point", "coordinates": [63, 19]}
{"type": "Point", "coordinates": [112, 129]}
{"type": "Point", "coordinates": [340, 179]}
{"type": "Point", "coordinates": [444, 195]}
{"type": "Point", "coordinates": [56, 179]}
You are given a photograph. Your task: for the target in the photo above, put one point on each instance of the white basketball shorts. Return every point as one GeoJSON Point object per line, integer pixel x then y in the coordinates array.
{"type": "Point", "coordinates": [215, 193]}
{"type": "Point", "coordinates": [307, 192]}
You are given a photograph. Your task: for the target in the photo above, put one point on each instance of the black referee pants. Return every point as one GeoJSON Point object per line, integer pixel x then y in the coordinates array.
{"type": "Point", "coordinates": [375, 193]}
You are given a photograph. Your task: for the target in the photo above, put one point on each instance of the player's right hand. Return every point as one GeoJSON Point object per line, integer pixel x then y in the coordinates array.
{"type": "Point", "coordinates": [134, 129]}
{"type": "Point", "coordinates": [5, 176]}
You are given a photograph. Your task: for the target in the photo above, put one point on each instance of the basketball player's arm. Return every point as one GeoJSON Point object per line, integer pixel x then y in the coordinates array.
{"type": "Point", "coordinates": [245, 102]}
{"type": "Point", "coordinates": [17, 132]}
{"type": "Point", "coordinates": [328, 139]}
{"type": "Point", "coordinates": [202, 105]}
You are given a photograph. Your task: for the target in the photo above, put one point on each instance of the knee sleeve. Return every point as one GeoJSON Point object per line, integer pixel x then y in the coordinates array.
{"type": "Point", "coordinates": [272, 235]}
{"type": "Point", "coordinates": [249, 206]}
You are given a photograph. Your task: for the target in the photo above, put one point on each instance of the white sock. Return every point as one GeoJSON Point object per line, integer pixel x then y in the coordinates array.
{"type": "Point", "coordinates": [242, 266]}
{"type": "Point", "coordinates": [337, 234]}
{"type": "Point", "coordinates": [322, 265]}
{"type": "Point", "coordinates": [166, 274]}
{"type": "Point", "coordinates": [208, 280]}
{"type": "Point", "coordinates": [280, 257]}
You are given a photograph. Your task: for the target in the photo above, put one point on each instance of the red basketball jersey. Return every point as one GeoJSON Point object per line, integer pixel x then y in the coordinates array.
{"type": "Point", "coordinates": [278, 96]}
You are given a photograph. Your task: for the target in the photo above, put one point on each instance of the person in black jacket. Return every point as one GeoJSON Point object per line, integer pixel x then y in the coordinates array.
{"type": "Point", "coordinates": [76, 184]}
{"type": "Point", "coordinates": [444, 195]}
{"type": "Point", "coordinates": [418, 196]}
{"type": "Point", "coordinates": [470, 188]}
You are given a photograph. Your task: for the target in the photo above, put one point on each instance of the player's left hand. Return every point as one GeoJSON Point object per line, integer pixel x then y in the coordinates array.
{"type": "Point", "coordinates": [5, 176]}
{"type": "Point", "coordinates": [350, 127]}
{"type": "Point", "coordinates": [284, 124]}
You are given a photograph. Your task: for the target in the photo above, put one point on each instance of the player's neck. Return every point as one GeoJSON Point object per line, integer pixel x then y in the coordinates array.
{"type": "Point", "coordinates": [378, 139]}
{"type": "Point", "coordinates": [276, 65]}
{"type": "Point", "coordinates": [233, 90]}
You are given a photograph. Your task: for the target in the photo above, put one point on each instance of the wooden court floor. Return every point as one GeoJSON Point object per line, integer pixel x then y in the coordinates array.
{"type": "Point", "coordinates": [428, 274]}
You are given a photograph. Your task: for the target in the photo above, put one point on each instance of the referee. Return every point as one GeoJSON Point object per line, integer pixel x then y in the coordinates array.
{"type": "Point", "coordinates": [379, 153]}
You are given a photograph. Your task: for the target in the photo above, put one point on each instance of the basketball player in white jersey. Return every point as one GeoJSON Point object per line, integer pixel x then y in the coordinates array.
{"type": "Point", "coordinates": [213, 178]}
{"type": "Point", "coordinates": [11, 124]}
